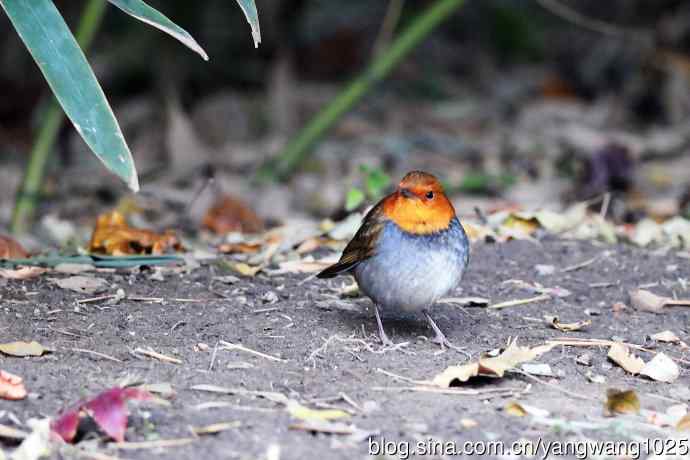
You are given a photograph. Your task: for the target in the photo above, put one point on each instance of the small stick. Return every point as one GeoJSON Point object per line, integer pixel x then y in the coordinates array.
{"type": "Point", "coordinates": [157, 444]}
{"type": "Point", "coordinates": [95, 353]}
{"type": "Point", "coordinates": [213, 357]}
{"type": "Point", "coordinates": [159, 356]}
{"type": "Point", "coordinates": [580, 265]}
{"type": "Point", "coordinates": [400, 377]}
{"type": "Point", "coordinates": [233, 346]}
{"type": "Point", "coordinates": [513, 303]}
{"type": "Point", "coordinates": [450, 391]}
{"type": "Point", "coordinates": [554, 386]}
{"type": "Point", "coordinates": [96, 299]}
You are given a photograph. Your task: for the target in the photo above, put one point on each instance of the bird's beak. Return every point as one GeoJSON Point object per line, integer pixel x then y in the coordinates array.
{"type": "Point", "coordinates": [407, 193]}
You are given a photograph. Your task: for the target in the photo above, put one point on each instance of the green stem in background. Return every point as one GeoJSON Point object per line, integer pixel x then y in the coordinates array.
{"type": "Point", "coordinates": [300, 146]}
{"type": "Point", "coordinates": [52, 120]}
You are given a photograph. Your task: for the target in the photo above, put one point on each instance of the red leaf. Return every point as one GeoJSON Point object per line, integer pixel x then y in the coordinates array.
{"type": "Point", "coordinates": [108, 409]}
{"type": "Point", "coordinates": [66, 425]}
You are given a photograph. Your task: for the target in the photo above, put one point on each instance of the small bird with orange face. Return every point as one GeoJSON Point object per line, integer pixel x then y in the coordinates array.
{"type": "Point", "coordinates": [410, 251]}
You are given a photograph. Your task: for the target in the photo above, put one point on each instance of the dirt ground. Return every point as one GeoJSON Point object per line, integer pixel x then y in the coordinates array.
{"type": "Point", "coordinates": [327, 349]}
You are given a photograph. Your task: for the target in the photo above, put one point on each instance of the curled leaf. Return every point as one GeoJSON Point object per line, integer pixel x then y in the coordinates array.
{"type": "Point", "coordinates": [621, 402]}
{"type": "Point", "coordinates": [114, 236]}
{"type": "Point", "coordinates": [619, 354]}
{"type": "Point", "coordinates": [11, 386]}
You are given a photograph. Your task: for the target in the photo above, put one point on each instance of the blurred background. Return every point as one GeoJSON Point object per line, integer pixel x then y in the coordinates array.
{"type": "Point", "coordinates": [513, 103]}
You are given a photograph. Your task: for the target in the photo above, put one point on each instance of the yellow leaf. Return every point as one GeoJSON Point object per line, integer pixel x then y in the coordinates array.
{"type": "Point", "coordinates": [619, 354]}
{"type": "Point", "coordinates": [621, 402]}
{"type": "Point", "coordinates": [304, 413]}
{"type": "Point", "coordinates": [245, 269]}
{"type": "Point", "coordinates": [515, 409]}
{"type": "Point", "coordinates": [22, 348]}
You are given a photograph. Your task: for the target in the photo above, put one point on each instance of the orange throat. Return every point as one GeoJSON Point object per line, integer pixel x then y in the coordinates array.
{"type": "Point", "coordinates": [416, 217]}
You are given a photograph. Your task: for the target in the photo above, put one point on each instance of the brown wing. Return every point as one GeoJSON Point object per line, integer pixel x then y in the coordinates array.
{"type": "Point", "coordinates": [362, 246]}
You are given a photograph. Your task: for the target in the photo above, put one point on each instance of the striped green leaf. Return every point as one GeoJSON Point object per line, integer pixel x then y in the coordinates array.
{"type": "Point", "coordinates": [153, 17]}
{"type": "Point", "coordinates": [53, 47]}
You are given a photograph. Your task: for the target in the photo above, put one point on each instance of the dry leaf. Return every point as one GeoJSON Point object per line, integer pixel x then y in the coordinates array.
{"type": "Point", "coordinates": [301, 412]}
{"type": "Point", "coordinates": [239, 248]}
{"type": "Point", "coordinates": [22, 349]}
{"type": "Point", "coordinates": [245, 269]}
{"type": "Point", "coordinates": [515, 409]}
{"type": "Point", "coordinates": [114, 236]}
{"type": "Point", "coordinates": [621, 402]}
{"type": "Point", "coordinates": [10, 249]}
{"type": "Point", "coordinates": [23, 273]}
{"type": "Point", "coordinates": [83, 284]}
{"type": "Point", "coordinates": [666, 336]}
{"type": "Point", "coordinates": [492, 367]}
{"type": "Point", "coordinates": [661, 368]}
{"type": "Point", "coordinates": [229, 214]}
{"type": "Point", "coordinates": [565, 327]}
{"type": "Point", "coordinates": [11, 386]}
{"type": "Point", "coordinates": [646, 301]}
{"type": "Point", "coordinates": [684, 423]}
{"type": "Point", "coordinates": [619, 354]}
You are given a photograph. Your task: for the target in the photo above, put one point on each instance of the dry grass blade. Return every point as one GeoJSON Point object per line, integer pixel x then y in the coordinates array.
{"type": "Point", "coordinates": [515, 303]}
{"type": "Point", "coordinates": [155, 355]}
{"type": "Point", "coordinates": [232, 346]}
{"type": "Point", "coordinates": [157, 444]}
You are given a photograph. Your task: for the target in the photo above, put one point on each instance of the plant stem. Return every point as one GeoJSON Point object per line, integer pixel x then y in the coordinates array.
{"type": "Point", "coordinates": [53, 119]}
{"type": "Point", "coordinates": [300, 146]}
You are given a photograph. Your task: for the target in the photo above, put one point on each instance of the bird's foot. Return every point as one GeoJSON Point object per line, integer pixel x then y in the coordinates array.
{"type": "Point", "coordinates": [440, 338]}
{"type": "Point", "coordinates": [387, 343]}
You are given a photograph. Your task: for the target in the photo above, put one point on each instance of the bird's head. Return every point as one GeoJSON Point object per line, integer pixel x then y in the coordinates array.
{"type": "Point", "coordinates": [419, 205]}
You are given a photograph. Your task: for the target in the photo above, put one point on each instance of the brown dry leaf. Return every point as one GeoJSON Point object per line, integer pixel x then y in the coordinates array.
{"type": "Point", "coordinates": [229, 214]}
{"type": "Point", "coordinates": [23, 273]}
{"type": "Point", "coordinates": [114, 236]}
{"type": "Point", "coordinates": [661, 369]}
{"type": "Point", "coordinates": [666, 336]}
{"type": "Point", "coordinates": [648, 301]}
{"type": "Point", "coordinates": [492, 367]}
{"type": "Point", "coordinates": [11, 386]}
{"type": "Point", "coordinates": [621, 402]}
{"type": "Point", "coordinates": [554, 322]}
{"type": "Point", "coordinates": [22, 349]}
{"type": "Point", "coordinates": [10, 249]}
{"type": "Point", "coordinates": [619, 354]}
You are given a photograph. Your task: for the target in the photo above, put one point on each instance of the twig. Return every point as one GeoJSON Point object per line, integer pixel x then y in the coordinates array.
{"type": "Point", "coordinates": [400, 377]}
{"type": "Point", "coordinates": [233, 346]}
{"type": "Point", "coordinates": [95, 353]}
{"type": "Point", "coordinates": [513, 303]}
{"type": "Point", "coordinates": [213, 357]}
{"type": "Point", "coordinates": [587, 22]}
{"type": "Point", "coordinates": [580, 265]}
{"type": "Point", "coordinates": [452, 391]}
{"type": "Point", "coordinates": [157, 444]}
{"type": "Point", "coordinates": [159, 356]}
{"type": "Point", "coordinates": [554, 386]}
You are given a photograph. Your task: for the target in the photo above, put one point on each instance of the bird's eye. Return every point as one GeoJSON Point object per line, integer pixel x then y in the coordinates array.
{"type": "Point", "coordinates": [429, 195]}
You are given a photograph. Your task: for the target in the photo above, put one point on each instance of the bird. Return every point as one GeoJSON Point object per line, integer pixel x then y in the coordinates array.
{"type": "Point", "coordinates": [410, 251]}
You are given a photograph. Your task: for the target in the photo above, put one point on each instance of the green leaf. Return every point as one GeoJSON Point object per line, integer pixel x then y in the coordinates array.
{"type": "Point", "coordinates": [152, 17]}
{"type": "Point", "coordinates": [355, 197]}
{"type": "Point", "coordinates": [249, 10]}
{"type": "Point", "coordinates": [69, 75]}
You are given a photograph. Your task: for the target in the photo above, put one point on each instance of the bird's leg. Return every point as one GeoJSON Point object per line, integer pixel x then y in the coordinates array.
{"type": "Point", "coordinates": [382, 334]}
{"type": "Point", "coordinates": [440, 338]}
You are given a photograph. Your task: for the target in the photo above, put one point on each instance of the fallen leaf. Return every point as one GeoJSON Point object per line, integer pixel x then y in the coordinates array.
{"type": "Point", "coordinates": [11, 386]}
{"type": "Point", "coordinates": [108, 409]}
{"type": "Point", "coordinates": [10, 249]}
{"type": "Point", "coordinates": [621, 402]}
{"type": "Point", "coordinates": [83, 284]}
{"type": "Point", "coordinates": [22, 348]}
{"type": "Point", "coordinates": [515, 409]}
{"type": "Point", "coordinates": [554, 322]}
{"type": "Point", "coordinates": [301, 412]}
{"type": "Point", "coordinates": [22, 273]}
{"type": "Point", "coordinates": [491, 366]}
{"type": "Point", "coordinates": [114, 236]}
{"type": "Point", "coordinates": [619, 354]}
{"type": "Point", "coordinates": [229, 214]}
{"type": "Point", "coordinates": [648, 301]}
{"type": "Point", "coordinates": [684, 423]}
{"type": "Point", "coordinates": [239, 248]}
{"type": "Point", "coordinates": [245, 269]}
{"type": "Point", "coordinates": [661, 368]}
{"type": "Point", "coordinates": [540, 369]}
{"type": "Point", "coordinates": [666, 336]}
